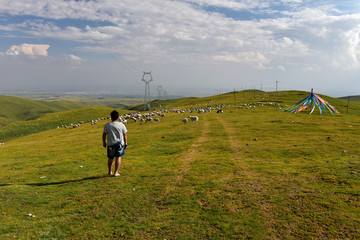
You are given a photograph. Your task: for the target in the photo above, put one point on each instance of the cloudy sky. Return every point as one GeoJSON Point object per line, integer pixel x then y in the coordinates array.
{"type": "Point", "coordinates": [196, 46]}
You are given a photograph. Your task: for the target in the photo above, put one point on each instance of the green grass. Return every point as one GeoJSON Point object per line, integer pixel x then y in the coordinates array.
{"type": "Point", "coordinates": [15, 108]}
{"type": "Point", "coordinates": [22, 109]}
{"type": "Point", "coordinates": [50, 121]}
{"type": "Point", "coordinates": [205, 180]}
{"type": "Point", "coordinates": [112, 101]}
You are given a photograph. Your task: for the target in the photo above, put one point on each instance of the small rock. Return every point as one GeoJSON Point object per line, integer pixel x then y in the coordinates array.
{"type": "Point", "coordinates": [256, 139]}
{"type": "Point", "coordinates": [353, 172]}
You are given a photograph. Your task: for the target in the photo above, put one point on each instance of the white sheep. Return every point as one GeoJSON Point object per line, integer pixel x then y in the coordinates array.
{"type": "Point", "coordinates": [194, 118]}
{"type": "Point", "coordinates": [185, 120]}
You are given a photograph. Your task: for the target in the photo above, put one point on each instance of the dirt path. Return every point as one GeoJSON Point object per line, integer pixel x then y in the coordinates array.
{"type": "Point", "coordinates": [251, 181]}
{"type": "Point", "coordinates": [193, 153]}
{"type": "Point", "coordinates": [236, 146]}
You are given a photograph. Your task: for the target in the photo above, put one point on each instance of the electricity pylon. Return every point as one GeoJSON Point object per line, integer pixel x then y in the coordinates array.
{"type": "Point", "coordinates": [147, 90]}
{"type": "Point", "coordinates": [159, 89]}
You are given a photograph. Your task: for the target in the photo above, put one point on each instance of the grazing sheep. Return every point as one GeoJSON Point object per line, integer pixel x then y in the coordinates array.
{"type": "Point", "coordinates": [149, 119]}
{"type": "Point", "coordinates": [194, 118]}
{"type": "Point", "coordinates": [220, 111]}
{"type": "Point", "coordinates": [137, 115]}
{"type": "Point", "coordinates": [185, 120]}
{"type": "Point", "coordinates": [157, 120]}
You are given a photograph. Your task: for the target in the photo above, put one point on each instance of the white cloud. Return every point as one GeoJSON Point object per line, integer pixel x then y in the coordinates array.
{"type": "Point", "coordinates": [74, 58]}
{"type": "Point", "coordinates": [165, 30]}
{"type": "Point", "coordinates": [231, 4]}
{"type": "Point", "coordinates": [286, 34]}
{"type": "Point", "coordinates": [28, 49]}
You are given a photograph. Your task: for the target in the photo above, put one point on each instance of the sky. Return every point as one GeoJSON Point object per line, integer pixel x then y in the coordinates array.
{"type": "Point", "coordinates": [193, 47]}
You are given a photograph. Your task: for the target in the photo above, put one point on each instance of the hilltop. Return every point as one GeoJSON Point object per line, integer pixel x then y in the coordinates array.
{"type": "Point", "coordinates": [352, 98]}
{"type": "Point", "coordinates": [24, 116]}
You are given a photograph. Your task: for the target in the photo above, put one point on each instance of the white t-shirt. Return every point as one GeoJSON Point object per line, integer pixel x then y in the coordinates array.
{"type": "Point", "coordinates": [115, 131]}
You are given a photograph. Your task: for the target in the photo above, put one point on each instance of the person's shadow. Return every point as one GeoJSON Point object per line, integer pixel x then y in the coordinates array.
{"type": "Point", "coordinates": [56, 183]}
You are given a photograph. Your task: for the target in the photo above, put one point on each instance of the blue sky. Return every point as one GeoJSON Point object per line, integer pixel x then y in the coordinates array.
{"type": "Point", "coordinates": [191, 46]}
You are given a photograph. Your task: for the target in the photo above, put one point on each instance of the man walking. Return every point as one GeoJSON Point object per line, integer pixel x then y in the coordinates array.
{"type": "Point", "coordinates": [115, 134]}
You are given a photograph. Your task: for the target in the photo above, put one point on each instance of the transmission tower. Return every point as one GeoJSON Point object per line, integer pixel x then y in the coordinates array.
{"type": "Point", "coordinates": [159, 89]}
{"type": "Point", "coordinates": [165, 94]}
{"type": "Point", "coordinates": [147, 90]}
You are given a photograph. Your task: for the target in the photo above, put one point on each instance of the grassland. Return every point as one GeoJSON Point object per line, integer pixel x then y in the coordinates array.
{"type": "Point", "coordinates": [30, 107]}
{"type": "Point", "coordinates": [43, 122]}
{"type": "Point", "coordinates": [17, 109]}
{"type": "Point", "coordinates": [254, 173]}
{"type": "Point", "coordinates": [351, 98]}
{"type": "Point", "coordinates": [23, 116]}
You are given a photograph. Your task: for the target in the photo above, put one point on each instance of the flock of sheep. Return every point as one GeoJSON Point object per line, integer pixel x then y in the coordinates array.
{"type": "Point", "coordinates": [155, 116]}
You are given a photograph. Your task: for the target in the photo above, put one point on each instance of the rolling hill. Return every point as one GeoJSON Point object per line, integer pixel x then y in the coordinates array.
{"type": "Point", "coordinates": [251, 172]}
{"type": "Point", "coordinates": [21, 109]}
{"type": "Point", "coordinates": [352, 98]}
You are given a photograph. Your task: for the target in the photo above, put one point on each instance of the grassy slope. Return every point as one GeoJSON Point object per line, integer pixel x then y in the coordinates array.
{"type": "Point", "coordinates": [207, 180]}
{"type": "Point", "coordinates": [20, 109]}
{"type": "Point", "coordinates": [352, 98]}
{"type": "Point", "coordinates": [15, 108]}
{"type": "Point", "coordinates": [50, 121]}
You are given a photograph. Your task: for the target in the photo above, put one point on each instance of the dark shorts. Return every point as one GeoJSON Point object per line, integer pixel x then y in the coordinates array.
{"type": "Point", "coordinates": [116, 150]}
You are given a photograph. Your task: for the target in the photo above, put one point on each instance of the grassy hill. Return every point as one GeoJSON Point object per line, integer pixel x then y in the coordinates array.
{"type": "Point", "coordinates": [19, 108]}
{"type": "Point", "coordinates": [16, 108]}
{"type": "Point", "coordinates": [23, 113]}
{"type": "Point", "coordinates": [352, 98]}
{"type": "Point", "coordinates": [50, 121]}
{"type": "Point", "coordinates": [255, 173]}
{"type": "Point", "coordinates": [283, 98]}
